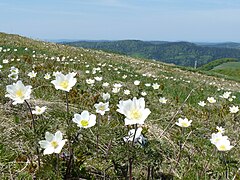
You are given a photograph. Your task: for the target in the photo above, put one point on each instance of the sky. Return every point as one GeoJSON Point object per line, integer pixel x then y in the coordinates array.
{"type": "Point", "coordinates": [164, 20]}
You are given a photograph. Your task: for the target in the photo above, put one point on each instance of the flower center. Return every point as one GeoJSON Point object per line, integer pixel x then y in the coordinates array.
{"type": "Point", "coordinates": [84, 123]}
{"type": "Point", "coordinates": [54, 144]}
{"type": "Point", "coordinates": [135, 114]}
{"type": "Point", "coordinates": [184, 124]}
{"type": "Point", "coordinates": [102, 108]}
{"type": "Point", "coordinates": [19, 93]}
{"type": "Point", "coordinates": [64, 84]}
{"type": "Point", "coordinates": [222, 147]}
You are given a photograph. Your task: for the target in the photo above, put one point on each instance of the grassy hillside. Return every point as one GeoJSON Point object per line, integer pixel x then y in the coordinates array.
{"type": "Point", "coordinates": [99, 152]}
{"type": "Point", "coordinates": [179, 53]}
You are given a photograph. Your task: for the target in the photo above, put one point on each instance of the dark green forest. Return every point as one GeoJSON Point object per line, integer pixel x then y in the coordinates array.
{"type": "Point", "coordinates": [179, 53]}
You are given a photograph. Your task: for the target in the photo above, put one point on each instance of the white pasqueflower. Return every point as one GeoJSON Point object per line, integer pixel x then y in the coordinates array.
{"type": "Point", "coordinates": [98, 78]}
{"type": "Point", "coordinates": [14, 70]}
{"type": "Point", "coordinates": [143, 93]}
{"type": "Point", "coordinates": [90, 81]}
{"type": "Point", "coordinates": [220, 129]}
{"type": "Point", "coordinates": [18, 92]}
{"type": "Point", "coordinates": [131, 135]}
{"type": "Point", "coordinates": [233, 109]}
{"type": "Point", "coordinates": [223, 145]}
{"type": "Point", "coordinates": [115, 90]}
{"type": "Point", "coordinates": [183, 122]}
{"type": "Point", "coordinates": [53, 143]}
{"type": "Point", "coordinates": [101, 107]}
{"type": "Point", "coordinates": [13, 76]}
{"type": "Point", "coordinates": [106, 96]}
{"type": "Point", "coordinates": [134, 111]}
{"type": "Point", "coordinates": [32, 74]}
{"type": "Point", "coordinates": [202, 103]}
{"type": "Point", "coordinates": [84, 120]}
{"type": "Point", "coordinates": [127, 92]}
{"type": "Point", "coordinates": [137, 82]}
{"type": "Point", "coordinates": [39, 110]}
{"type": "Point", "coordinates": [117, 85]}
{"type": "Point", "coordinates": [226, 95]}
{"type": "Point", "coordinates": [211, 100]}
{"type": "Point", "coordinates": [217, 137]}
{"type": "Point", "coordinates": [155, 86]}
{"type": "Point", "coordinates": [47, 76]}
{"type": "Point", "coordinates": [64, 82]}
{"type": "Point", "coordinates": [106, 84]}
{"type": "Point", "coordinates": [163, 100]}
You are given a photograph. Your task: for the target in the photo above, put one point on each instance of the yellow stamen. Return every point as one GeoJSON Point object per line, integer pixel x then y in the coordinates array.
{"type": "Point", "coordinates": [84, 123]}
{"type": "Point", "coordinates": [135, 114]}
{"type": "Point", "coordinates": [19, 93]}
{"type": "Point", "coordinates": [64, 84]}
{"type": "Point", "coordinates": [54, 144]}
{"type": "Point", "coordinates": [222, 147]}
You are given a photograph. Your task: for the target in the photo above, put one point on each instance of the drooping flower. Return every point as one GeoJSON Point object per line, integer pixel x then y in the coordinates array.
{"type": "Point", "coordinates": [101, 107]}
{"type": "Point", "coordinates": [183, 122]}
{"type": "Point", "coordinates": [53, 143]}
{"type": "Point", "coordinates": [233, 109]}
{"type": "Point", "coordinates": [211, 100]}
{"type": "Point", "coordinates": [163, 100]}
{"type": "Point", "coordinates": [134, 111]}
{"type": "Point", "coordinates": [84, 120]}
{"type": "Point", "coordinates": [39, 110]}
{"type": "Point", "coordinates": [223, 145]}
{"type": "Point", "coordinates": [18, 92]}
{"type": "Point", "coordinates": [64, 82]}
{"type": "Point", "coordinates": [32, 74]}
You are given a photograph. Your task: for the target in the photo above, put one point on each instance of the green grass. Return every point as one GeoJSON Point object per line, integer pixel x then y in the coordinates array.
{"type": "Point", "coordinates": [183, 88]}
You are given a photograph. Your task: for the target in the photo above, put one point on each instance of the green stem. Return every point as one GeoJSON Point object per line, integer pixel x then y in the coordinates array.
{"type": "Point", "coordinates": [34, 130]}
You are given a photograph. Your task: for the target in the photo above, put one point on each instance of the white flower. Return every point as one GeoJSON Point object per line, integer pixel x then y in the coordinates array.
{"type": "Point", "coordinates": [53, 143]}
{"type": "Point", "coordinates": [137, 82]}
{"type": "Point", "coordinates": [101, 107]}
{"type": "Point", "coordinates": [39, 110]}
{"type": "Point", "coordinates": [220, 129]}
{"type": "Point", "coordinates": [223, 145]}
{"type": "Point", "coordinates": [18, 92]}
{"type": "Point", "coordinates": [84, 120]}
{"type": "Point", "coordinates": [106, 84]}
{"type": "Point", "coordinates": [1, 66]}
{"type": "Point", "coordinates": [117, 85]}
{"type": "Point", "coordinates": [127, 92]}
{"type": "Point", "coordinates": [217, 137]}
{"type": "Point", "coordinates": [134, 110]}
{"type": "Point", "coordinates": [90, 81]}
{"type": "Point", "coordinates": [131, 135]}
{"type": "Point", "coordinates": [32, 74]}
{"type": "Point", "coordinates": [233, 109]}
{"type": "Point", "coordinates": [202, 103]}
{"type": "Point", "coordinates": [5, 61]}
{"type": "Point", "coordinates": [14, 70]}
{"type": "Point", "coordinates": [155, 86]}
{"type": "Point", "coordinates": [143, 93]}
{"type": "Point", "coordinates": [47, 76]}
{"type": "Point", "coordinates": [211, 100]}
{"type": "Point", "coordinates": [56, 73]}
{"type": "Point", "coordinates": [64, 82]}
{"type": "Point", "coordinates": [98, 78]}
{"type": "Point", "coordinates": [163, 100]}
{"type": "Point", "coordinates": [226, 95]}
{"type": "Point", "coordinates": [115, 90]}
{"type": "Point", "coordinates": [124, 76]}
{"type": "Point", "coordinates": [106, 96]}
{"type": "Point", "coordinates": [148, 84]}
{"type": "Point", "coordinates": [13, 76]}
{"type": "Point", "coordinates": [183, 122]}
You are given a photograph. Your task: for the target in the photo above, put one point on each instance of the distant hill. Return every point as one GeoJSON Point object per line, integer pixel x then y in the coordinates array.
{"type": "Point", "coordinates": [179, 53]}
{"type": "Point", "coordinates": [222, 45]}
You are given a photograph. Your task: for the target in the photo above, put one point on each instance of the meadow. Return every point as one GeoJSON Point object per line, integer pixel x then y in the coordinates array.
{"type": "Point", "coordinates": [145, 119]}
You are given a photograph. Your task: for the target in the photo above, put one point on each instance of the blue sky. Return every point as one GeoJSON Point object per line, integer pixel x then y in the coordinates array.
{"type": "Point", "coordinates": [172, 20]}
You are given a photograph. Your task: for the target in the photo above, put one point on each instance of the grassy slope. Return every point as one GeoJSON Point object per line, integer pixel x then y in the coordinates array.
{"type": "Point", "coordinates": [175, 84]}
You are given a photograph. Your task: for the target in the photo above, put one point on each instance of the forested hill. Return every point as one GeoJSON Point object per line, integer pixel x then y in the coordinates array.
{"type": "Point", "coordinates": [179, 53]}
